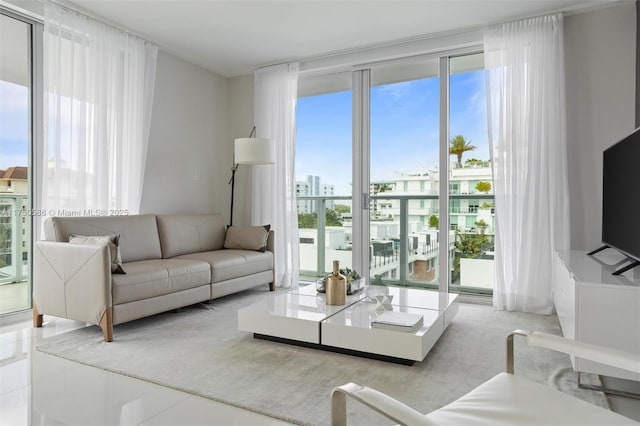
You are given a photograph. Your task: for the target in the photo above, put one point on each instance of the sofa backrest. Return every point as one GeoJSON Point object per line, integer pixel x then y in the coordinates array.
{"type": "Point", "coordinates": [190, 233]}
{"type": "Point", "coordinates": [139, 239]}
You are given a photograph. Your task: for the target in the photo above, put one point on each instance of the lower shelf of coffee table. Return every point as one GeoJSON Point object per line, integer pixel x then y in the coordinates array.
{"type": "Point", "coordinates": [345, 351]}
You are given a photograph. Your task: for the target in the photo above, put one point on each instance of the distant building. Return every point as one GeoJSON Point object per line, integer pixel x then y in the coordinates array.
{"type": "Point", "coordinates": [380, 187]}
{"type": "Point", "coordinates": [14, 224]}
{"type": "Point", "coordinates": [312, 187]}
{"type": "Point", "coordinates": [466, 207]}
{"type": "Point", "coordinates": [14, 180]}
{"type": "Point", "coordinates": [463, 213]}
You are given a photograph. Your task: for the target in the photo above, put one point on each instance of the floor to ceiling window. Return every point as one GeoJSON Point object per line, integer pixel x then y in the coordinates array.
{"type": "Point", "coordinates": [323, 173]}
{"type": "Point", "coordinates": [404, 177]}
{"type": "Point", "coordinates": [16, 130]}
{"type": "Point", "coordinates": [410, 156]}
{"type": "Point", "coordinates": [471, 207]}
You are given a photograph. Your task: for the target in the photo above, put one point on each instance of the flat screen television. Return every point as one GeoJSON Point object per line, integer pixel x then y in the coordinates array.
{"type": "Point", "coordinates": [621, 198]}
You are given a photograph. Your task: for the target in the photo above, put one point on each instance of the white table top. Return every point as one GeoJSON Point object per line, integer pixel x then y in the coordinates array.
{"type": "Point", "coordinates": [361, 315]}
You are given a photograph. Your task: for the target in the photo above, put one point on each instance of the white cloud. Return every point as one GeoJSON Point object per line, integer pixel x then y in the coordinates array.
{"type": "Point", "coordinates": [13, 98]}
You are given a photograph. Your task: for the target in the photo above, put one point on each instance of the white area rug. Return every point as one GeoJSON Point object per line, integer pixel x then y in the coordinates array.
{"type": "Point", "coordinates": [199, 350]}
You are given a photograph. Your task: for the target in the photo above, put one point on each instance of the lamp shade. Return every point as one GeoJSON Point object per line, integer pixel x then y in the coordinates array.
{"type": "Point", "coordinates": [253, 151]}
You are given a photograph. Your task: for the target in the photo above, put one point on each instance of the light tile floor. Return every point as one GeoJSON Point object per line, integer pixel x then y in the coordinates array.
{"type": "Point", "coordinates": [40, 389]}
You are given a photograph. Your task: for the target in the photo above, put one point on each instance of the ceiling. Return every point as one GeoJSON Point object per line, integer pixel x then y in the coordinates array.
{"type": "Point", "coordinates": [233, 37]}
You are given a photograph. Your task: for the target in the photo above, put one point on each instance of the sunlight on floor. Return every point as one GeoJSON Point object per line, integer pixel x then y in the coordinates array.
{"type": "Point", "coordinates": [36, 388]}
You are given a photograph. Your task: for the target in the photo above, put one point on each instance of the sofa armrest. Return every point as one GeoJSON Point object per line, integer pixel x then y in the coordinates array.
{"type": "Point", "coordinates": [72, 281]}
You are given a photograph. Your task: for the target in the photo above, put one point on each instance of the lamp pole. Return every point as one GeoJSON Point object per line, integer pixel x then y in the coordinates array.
{"type": "Point", "coordinates": [232, 181]}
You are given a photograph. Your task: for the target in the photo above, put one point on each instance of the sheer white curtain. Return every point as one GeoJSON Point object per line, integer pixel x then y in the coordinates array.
{"type": "Point", "coordinates": [98, 85]}
{"type": "Point", "coordinates": [527, 131]}
{"type": "Point", "coordinates": [273, 187]}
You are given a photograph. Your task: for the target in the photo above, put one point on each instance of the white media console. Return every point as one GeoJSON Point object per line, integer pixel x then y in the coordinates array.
{"type": "Point", "coordinates": [597, 307]}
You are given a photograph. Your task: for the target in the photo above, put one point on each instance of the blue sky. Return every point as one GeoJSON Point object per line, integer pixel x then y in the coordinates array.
{"type": "Point", "coordinates": [14, 125]}
{"type": "Point", "coordinates": [404, 128]}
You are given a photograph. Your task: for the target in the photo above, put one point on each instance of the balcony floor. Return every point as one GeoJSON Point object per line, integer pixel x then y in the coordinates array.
{"type": "Point", "coordinates": [15, 297]}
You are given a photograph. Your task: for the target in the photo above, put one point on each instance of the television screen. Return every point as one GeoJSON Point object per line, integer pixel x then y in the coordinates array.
{"type": "Point", "coordinates": [621, 196]}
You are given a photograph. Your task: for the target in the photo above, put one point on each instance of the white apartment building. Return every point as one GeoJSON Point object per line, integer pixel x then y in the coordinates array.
{"type": "Point", "coordinates": [464, 212]}
{"type": "Point", "coordinates": [422, 241]}
{"type": "Point", "coordinates": [312, 187]}
{"type": "Point", "coordinates": [14, 224]}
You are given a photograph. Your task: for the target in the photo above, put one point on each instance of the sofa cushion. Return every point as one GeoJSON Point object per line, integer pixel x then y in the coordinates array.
{"type": "Point", "coordinates": [227, 264]}
{"type": "Point", "coordinates": [190, 233]}
{"type": "Point", "coordinates": [110, 241]}
{"type": "Point", "coordinates": [139, 238]}
{"type": "Point", "coordinates": [157, 277]}
{"type": "Point", "coordinates": [247, 237]}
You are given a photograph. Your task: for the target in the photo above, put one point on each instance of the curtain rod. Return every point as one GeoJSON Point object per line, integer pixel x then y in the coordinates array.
{"type": "Point", "coordinates": [63, 4]}
{"type": "Point", "coordinates": [570, 11]}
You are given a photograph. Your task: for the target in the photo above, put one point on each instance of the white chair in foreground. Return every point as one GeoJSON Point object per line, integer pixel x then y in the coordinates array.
{"type": "Point", "coordinates": [505, 399]}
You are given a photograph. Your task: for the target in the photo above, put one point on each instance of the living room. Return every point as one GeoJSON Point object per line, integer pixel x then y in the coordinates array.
{"type": "Point", "coordinates": [202, 102]}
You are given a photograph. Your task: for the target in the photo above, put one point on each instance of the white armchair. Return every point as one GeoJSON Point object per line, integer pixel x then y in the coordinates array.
{"type": "Point", "coordinates": [505, 399]}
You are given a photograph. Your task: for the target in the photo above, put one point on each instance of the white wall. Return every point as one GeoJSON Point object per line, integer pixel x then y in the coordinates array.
{"type": "Point", "coordinates": [600, 67]}
{"type": "Point", "coordinates": [600, 50]}
{"type": "Point", "coordinates": [189, 156]}
{"type": "Point", "coordinates": [240, 125]}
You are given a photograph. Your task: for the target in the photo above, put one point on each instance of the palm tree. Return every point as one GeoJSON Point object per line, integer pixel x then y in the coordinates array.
{"type": "Point", "coordinates": [459, 146]}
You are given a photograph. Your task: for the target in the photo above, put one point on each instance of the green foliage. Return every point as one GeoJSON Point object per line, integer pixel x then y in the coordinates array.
{"type": "Point", "coordinates": [434, 222]}
{"type": "Point", "coordinates": [482, 225]}
{"type": "Point", "coordinates": [476, 162]}
{"type": "Point", "coordinates": [341, 209]}
{"type": "Point", "coordinates": [384, 187]}
{"type": "Point", "coordinates": [470, 246]}
{"type": "Point", "coordinates": [332, 218]}
{"type": "Point", "coordinates": [483, 187]}
{"type": "Point", "coordinates": [307, 220]}
{"type": "Point", "coordinates": [349, 274]}
{"type": "Point", "coordinates": [487, 205]}
{"type": "Point", "coordinates": [310, 220]}
{"type": "Point", "coordinates": [458, 146]}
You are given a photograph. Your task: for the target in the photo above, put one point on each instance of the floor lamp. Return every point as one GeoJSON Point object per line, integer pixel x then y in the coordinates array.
{"type": "Point", "coordinates": [252, 151]}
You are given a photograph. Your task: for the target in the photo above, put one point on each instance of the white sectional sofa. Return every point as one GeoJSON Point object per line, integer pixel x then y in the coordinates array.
{"type": "Point", "coordinates": [170, 261]}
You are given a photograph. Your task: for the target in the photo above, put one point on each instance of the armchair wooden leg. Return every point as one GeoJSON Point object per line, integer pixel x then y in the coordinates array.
{"type": "Point", "coordinates": [37, 317]}
{"type": "Point", "coordinates": [106, 324]}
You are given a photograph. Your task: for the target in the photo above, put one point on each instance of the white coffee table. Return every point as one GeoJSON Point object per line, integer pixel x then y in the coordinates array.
{"type": "Point", "coordinates": [301, 316]}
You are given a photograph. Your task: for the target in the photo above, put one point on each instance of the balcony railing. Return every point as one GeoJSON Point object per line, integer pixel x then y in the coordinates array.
{"type": "Point", "coordinates": [403, 249]}
{"type": "Point", "coordinates": [14, 238]}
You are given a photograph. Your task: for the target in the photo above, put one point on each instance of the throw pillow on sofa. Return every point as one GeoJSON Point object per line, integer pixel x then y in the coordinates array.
{"type": "Point", "coordinates": [111, 241]}
{"type": "Point", "coordinates": [247, 237]}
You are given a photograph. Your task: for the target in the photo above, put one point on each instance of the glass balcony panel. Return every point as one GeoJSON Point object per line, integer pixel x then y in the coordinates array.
{"type": "Point", "coordinates": [15, 140]}
{"type": "Point", "coordinates": [472, 216]}
{"type": "Point", "coordinates": [323, 167]}
{"type": "Point", "coordinates": [404, 152]}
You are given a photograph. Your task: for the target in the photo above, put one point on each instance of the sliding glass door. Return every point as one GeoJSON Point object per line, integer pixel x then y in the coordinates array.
{"type": "Point", "coordinates": [471, 208]}
{"type": "Point", "coordinates": [324, 157]}
{"type": "Point", "coordinates": [419, 206]}
{"type": "Point", "coordinates": [16, 124]}
{"type": "Point", "coordinates": [404, 173]}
